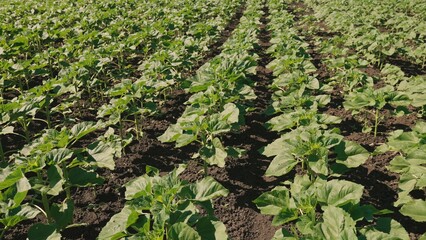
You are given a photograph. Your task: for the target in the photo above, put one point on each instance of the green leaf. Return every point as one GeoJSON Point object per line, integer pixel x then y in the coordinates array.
{"type": "Point", "coordinates": [19, 214]}
{"type": "Point", "coordinates": [103, 154]}
{"type": "Point", "coordinates": [117, 225]}
{"type": "Point", "coordinates": [271, 203]}
{"type": "Point", "coordinates": [283, 234]}
{"type": "Point", "coordinates": [185, 139]}
{"type": "Point", "coordinates": [415, 209]}
{"type": "Point", "coordinates": [337, 224]}
{"type": "Point", "coordinates": [137, 187]}
{"type": "Point", "coordinates": [63, 213]}
{"type": "Point", "coordinates": [214, 153]}
{"type": "Point", "coordinates": [82, 129]}
{"type": "Point", "coordinates": [281, 164]}
{"type": "Point", "coordinates": [171, 134]}
{"type": "Point", "coordinates": [41, 231]}
{"type": "Point", "coordinates": [22, 187]}
{"type": "Point", "coordinates": [82, 178]}
{"type": "Point", "coordinates": [340, 192]}
{"type": "Point", "coordinates": [208, 189]}
{"type": "Point", "coordinates": [359, 212]}
{"type": "Point", "coordinates": [56, 180]}
{"type": "Point", "coordinates": [351, 154]}
{"type": "Point", "coordinates": [284, 216]}
{"type": "Point", "coordinates": [230, 113]}
{"type": "Point", "coordinates": [6, 130]}
{"type": "Point", "coordinates": [392, 227]}
{"type": "Point", "coordinates": [211, 230]}
{"type": "Point", "coordinates": [385, 229]}
{"type": "Point", "coordinates": [182, 231]}
{"type": "Point", "coordinates": [9, 176]}
{"type": "Point", "coordinates": [57, 156]}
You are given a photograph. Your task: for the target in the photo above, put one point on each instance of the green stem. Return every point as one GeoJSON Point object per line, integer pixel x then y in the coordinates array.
{"type": "Point", "coordinates": [205, 166]}
{"type": "Point", "coordinates": [24, 125]}
{"type": "Point", "coordinates": [3, 232]}
{"type": "Point", "coordinates": [376, 122]}
{"type": "Point", "coordinates": [67, 188]}
{"type": "Point", "coordinates": [45, 202]}
{"type": "Point", "coordinates": [48, 111]}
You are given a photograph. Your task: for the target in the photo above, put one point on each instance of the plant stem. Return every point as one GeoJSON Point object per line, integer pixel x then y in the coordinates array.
{"type": "Point", "coordinates": [376, 123]}
{"type": "Point", "coordinates": [67, 188]}
{"type": "Point", "coordinates": [3, 232]}
{"type": "Point", "coordinates": [48, 111]}
{"type": "Point", "coordinates": [45, 201]}
{"type": "Point", "coordinates": [205, 168]}
{"type": "Point", "coordinates": [46, 207]}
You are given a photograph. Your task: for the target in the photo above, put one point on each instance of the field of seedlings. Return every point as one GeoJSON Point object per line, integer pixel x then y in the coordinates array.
{"type": "Point", "coordinates": [213, 119]}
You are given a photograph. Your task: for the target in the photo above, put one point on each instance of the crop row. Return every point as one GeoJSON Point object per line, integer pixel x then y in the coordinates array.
{"type": "Point", "coordinates": [377, 33]}
{"type": "Point", "coordinates": [310, 143]}
{"type": "Point", "coordinates": [166, 206]}
{"type": "Point", "coordinates": [82, 61]}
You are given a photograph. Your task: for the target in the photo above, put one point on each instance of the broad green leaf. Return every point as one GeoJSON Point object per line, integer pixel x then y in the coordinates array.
{"type": "Point", "coordinates": [415, 209]}
{"type": "Point", "coordinates": [137, 187]}
{"type": "Point", "coordinates": [214, 154]}
{"type": "Point", "coordinates": [57, 156]}
{"type": "Point", "coordinates": [63, 213]}
{"type": "Point", "coordinates": [185, 139]}
{"type": "Point", "coordinates": [284, 216]}
{"type": "Point", "coordinates": [6, 130]}
{"type": "Point", "coordinates": [339, 192]}
{"type": "Point", "coordinates": [82, 129]}
{"type": "Point", "coordinates": [182, 231]}
{"type": "Point", "coordinates": [392, 227]}
{"type": "Point", "coordinates": [337, 224]}
{"type": "Point", "coordinates": [19, 214]}
{"type": "Point", "coordinates": [309, 227]}
{"type": "Point", "coordinates": [281, 122]}
{"type": "Point", "coordinates": [351, 154]}
{"type": "Point", "coordinates": [385, 229]}
{"type": "Point", "coordinates": [281, 164]}
{"type": "Point", "coordinates": [83, 178]}
{"type": "Point", "coordinates": [359, 212]}
{"type": "Point", "coordinates": [41, 231]}
{"type": "Point", "coordinates": [420, 127]}
{"type": "Point", "coordinates": [9, 176]}
{"type": "Point", "coordinates": [283, 234]}
{"type": "Point", "coordinates": [56, 180]}
{"type": "Point", "coordinates": [22, 187]}
{"type": "Point", "coordinates": [275, 148]}
{"type": "Point", "coordinates": [211, 230]}
{"type": "Point", "coordinates": [399, 164]}
{"type": "Point", "coordinates": [271, 203]}
{"type": "Point", "coordinates": [103, 154]}
{"type": "Point", "coordinates": [230, 113]}
{"type": "Point", "coordinates": [117, 225]}
{"type": "Point", "coordinates": [404, 140]}
{"type": "Point", "coordinates": [208, 189]}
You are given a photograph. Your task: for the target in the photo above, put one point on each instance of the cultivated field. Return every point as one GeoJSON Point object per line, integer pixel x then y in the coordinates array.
{"type": "Point", "coordinates": [213, 119]}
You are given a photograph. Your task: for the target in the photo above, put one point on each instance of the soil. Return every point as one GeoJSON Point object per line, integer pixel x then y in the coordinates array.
{"type": "Point", "coordinates": [243, 177]}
